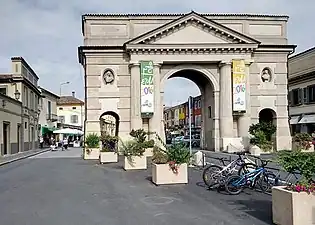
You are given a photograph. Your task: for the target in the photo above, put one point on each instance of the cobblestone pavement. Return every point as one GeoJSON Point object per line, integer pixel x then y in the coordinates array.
{"type": "Point", "coordinates": [59, 188]}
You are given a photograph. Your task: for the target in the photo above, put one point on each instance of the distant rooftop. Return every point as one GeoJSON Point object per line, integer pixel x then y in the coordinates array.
{"type": "Point", "coordinates": [69, 100]}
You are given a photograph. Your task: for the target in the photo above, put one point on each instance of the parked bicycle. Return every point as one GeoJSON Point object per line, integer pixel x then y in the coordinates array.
{"type": "Point", "coordinates": [235, 184]}
{"type": "Point", "coordinates": [214, 175]}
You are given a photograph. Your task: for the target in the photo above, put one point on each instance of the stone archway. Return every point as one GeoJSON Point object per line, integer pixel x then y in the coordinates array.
{"type": "Point", "coordinates": [109, 123]}
{"type": "Point", "coordinates": [209, 89]}
{"type": "Point", "coordinates": [268, 115]}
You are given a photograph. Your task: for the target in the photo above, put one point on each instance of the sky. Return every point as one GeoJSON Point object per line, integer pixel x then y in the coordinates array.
{"type": "Point", "coordinates": [46, 33]}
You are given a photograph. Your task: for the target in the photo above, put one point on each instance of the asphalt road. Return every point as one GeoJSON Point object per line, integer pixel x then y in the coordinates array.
{"type": "Point", "coordinates": [59, 188]}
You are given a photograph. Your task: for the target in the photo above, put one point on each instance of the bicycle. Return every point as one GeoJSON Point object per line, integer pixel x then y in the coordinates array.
{"type": "Point", "coordinates": [214, 174]}
{"type": "Point", "coordinates": [235, 184]}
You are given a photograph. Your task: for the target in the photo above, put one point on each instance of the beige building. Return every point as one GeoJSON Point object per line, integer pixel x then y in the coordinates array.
{"type": "Point", "coordinates": [19, 108]}
{"type": "Point", "coordinates": [48, 112]}
{"type": "Point", "coordinates": [128, 57]}
{"type": "Point", "coordinates": [302, 91]}
{"type": "Point", "coordinates": [70, 112]}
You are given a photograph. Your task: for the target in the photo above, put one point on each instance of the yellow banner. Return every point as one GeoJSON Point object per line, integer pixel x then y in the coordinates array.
{"type": "Point", "coordinates": [239, 85]}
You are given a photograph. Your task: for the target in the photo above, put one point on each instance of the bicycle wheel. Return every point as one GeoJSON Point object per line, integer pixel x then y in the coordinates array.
{"type": "Point", "coordinates": [246, 168]}
{"type": "Point", "coordinates": [266, 181]}
{"type": "Point", "coordinates": [211, 175]}
{"type": "Point", "coordinates": [231, 187]}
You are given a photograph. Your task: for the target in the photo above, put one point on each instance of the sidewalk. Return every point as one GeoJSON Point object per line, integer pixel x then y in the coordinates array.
{"type": "Point", "coordinates": [21, 155]}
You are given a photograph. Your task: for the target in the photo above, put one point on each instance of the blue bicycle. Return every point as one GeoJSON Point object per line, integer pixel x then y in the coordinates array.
{"type": "Point", "coordinates": [235, 184]}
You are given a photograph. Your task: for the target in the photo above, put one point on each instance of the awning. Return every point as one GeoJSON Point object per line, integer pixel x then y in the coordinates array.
{"type": "Point", "coordinates": [294, 119]}
{"type": "Point", "coordinates": [46, 130]}
{"type": "Point", "coordinates": [308, 119]}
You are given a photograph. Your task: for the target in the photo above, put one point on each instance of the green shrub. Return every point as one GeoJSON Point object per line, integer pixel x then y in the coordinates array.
{"type": "Point", "coordinates": [132, 148]}
{"type": "Point", "coordinates": [302, 140]}
{"type": "Point", "coordinates": [109, 143]}
{"type": "Point", "coordinates": [296, 160]}
{"type": "Point", "coordinates": [92, 141]}
{"type": "Point", "coordinates": [262, 134]}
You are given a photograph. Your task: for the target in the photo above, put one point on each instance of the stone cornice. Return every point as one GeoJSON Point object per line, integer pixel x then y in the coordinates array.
{"type": "Point", "coordinates": [195, 48]}
{"type": "Point", "coordinates": [276, 48]}
{"type": "Point", "coordinates": [197, 20]}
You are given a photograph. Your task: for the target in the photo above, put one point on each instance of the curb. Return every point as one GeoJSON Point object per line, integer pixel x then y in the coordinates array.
{"type": "Point", "coordinates": [24, 157]}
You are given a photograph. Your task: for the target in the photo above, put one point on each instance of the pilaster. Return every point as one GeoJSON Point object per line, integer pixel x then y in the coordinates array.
{"type": "Point", "coordinates": [226, 116]}
{"type": "Point", "coordinates": [157, 119]}
{"type": "Point", "coordinates": [244, 121]}
{"type": "Point", "coordinates": [135, 97]}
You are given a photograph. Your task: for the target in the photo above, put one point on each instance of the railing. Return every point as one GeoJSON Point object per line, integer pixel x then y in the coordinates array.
{"type": "Point", "coordinates": [52, 117]}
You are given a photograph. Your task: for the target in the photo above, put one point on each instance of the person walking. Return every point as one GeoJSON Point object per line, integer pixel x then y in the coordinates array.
{"type": "Point", "coordinates": [65, 143]}
{"type": "Point", "coordinates": [41, 141]}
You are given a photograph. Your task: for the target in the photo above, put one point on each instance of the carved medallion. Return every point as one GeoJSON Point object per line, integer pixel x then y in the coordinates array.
{"type": "Point", "coordinates": [108, 76]}
{"type": "Point", "coordinates": [266, 75]}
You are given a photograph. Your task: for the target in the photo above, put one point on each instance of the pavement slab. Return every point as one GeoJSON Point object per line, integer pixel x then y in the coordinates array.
{"type": "Point", "coordinates": [61, 188]}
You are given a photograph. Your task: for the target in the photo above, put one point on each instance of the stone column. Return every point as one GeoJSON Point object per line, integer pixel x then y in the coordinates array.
{"type": "Point", "coordinates": [226, 116]}
{"type": "Point", "coordinates": [216, 120]}
{"type": "Point", "coordinates": [135, 97]}
{"type": "Point", "coordinates": [156, 121]}
{"type": "Point", "coordinates": [244, 121]}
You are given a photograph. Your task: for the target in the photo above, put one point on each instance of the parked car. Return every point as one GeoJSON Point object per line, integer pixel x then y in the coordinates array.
{"type": "Point", "coordinates": [185, 139]}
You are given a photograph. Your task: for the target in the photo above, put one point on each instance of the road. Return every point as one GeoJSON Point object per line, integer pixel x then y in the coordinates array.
{"type": "Point", "coordinates": [59, 188]}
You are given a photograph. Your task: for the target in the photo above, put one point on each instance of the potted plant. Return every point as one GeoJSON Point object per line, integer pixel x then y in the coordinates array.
{"type": "Point", "coordinates": [134, 158]}
{"type": "Point", "coordinates": [303, 142]}
{"type": "Point", "coordinates": [261, 137]}
{"type": "Point", "coordinates": [294, 204]}
{"type": "Point", "coordinates": [141, 137]}
{"type": "Point", "coordinates": [92, 146]}
{"type": "Point", "coordinates": [108, 152]}
{"type": "Point", "coordinates": [169, 166]}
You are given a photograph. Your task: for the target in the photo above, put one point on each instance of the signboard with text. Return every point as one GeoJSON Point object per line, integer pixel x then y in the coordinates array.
{"type": "Point", "coordinates": [239, 85]}
{"type": "Point", "coordinates": [147, 87]}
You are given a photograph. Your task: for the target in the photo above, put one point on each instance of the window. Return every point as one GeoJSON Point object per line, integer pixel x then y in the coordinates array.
{"type": "Point", "coordinates": [61, 119]}
{"type": "Point", "coordinates": [296, 100]}
{"type": "Point", "coordinates": [32, 100]}
{"type": "Point", "coordinates": [49, 108]}
{"type": "Point", "coordinates": [74, 119]}
{"type": "Point", "coordinates": [25, 125]}
{"type": "Point", "coordinates": [209, 111]}
{"type": "Point", "coordinates": [60, 108]}
{"type": "Point", "coordinates": [310, 92]}
{"type": "Point", "coordinates": [74, 107]}
{"type": "Point", "coordinates": [199, 104]}
{"type": "Point", "coordinates": [3, 90]}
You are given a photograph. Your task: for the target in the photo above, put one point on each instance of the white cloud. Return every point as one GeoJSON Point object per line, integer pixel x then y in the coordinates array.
{"type": "Point", "coordinates": [47, 33]}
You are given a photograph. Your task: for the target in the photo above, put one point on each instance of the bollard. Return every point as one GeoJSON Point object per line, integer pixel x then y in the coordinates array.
{"type": "Point", "coordinates": [198, 158]}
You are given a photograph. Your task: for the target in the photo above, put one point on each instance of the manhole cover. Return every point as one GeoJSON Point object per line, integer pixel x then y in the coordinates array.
{"type": "Point", "coordinates": [157, 200]}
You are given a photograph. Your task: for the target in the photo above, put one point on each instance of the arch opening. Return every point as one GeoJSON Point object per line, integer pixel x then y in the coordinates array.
{"type": "Point", "coordinates": [267, 115]}
{"type": "Point", "coordinates": [109, 125]}
{"type": "Point", "coordinates": [176, 117]}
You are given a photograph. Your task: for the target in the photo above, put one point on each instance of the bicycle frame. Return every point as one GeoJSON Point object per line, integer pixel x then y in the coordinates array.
{"type": "Point", "coordinates": [251, 176]}
{"type": "Point", "coordinates": [228, 168]}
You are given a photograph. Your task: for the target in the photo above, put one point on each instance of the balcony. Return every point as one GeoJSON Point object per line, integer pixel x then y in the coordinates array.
{"type": "Point", "coordinates": [51, 117]}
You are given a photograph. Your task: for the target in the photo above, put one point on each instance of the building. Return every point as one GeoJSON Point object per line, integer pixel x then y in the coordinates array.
{"type": "Point", "coordinates": [128, 57]}
{"type": "Point", "coordinates": [70, 111]}
{"type": "Point", "coordinates": [302, 91]}
{"type": "Point", "coordinates": [48, 113]}
{"type": "Point", "coordinates": [19, 108]}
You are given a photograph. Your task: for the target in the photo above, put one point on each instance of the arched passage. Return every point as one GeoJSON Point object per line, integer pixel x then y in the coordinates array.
{"type": "Point", "coordinates": [109, 123]}
{"type": "Point", "coordinates": [267, 115]}
{"type": "Point", "coordinates": [203, 114]}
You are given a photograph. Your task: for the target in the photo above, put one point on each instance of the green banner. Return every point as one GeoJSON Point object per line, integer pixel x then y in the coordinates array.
{"type": "Point", "coordinates": [147, 86]}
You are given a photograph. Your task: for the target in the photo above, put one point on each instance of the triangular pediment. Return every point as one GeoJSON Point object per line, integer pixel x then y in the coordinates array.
{"type": "Point", "coordinates": [192, 28]}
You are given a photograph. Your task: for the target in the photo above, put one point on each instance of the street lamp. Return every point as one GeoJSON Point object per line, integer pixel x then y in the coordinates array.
{"type": "Point", "coordinates": [64, 83]}
{"type": "Point", "coordinates": [17, 94]}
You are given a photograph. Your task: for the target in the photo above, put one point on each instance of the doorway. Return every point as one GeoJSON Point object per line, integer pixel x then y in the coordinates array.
{"type": "Point", "coordinates": [33, 137]}
{"type": "Point", "coordinates": [18, 135]}
{"type": "Point", "coordinates": [6, 130]}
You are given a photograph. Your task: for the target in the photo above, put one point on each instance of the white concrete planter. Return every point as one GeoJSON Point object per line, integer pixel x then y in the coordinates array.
{"type": "Point", "coordinates": [148, 152]}
{"type": "Point", "coordinates": [292, 208]}
{"type": "Point", "coordinates": [255, 150]}
{"type": "Point", "coordinates": [91, 153]}
{"type": "Point", "coordinates": [108, 157]}
{"type": "Point", "coordinates": [135, 163]}
{"type": "Point", "coordinates": [163, 174]}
